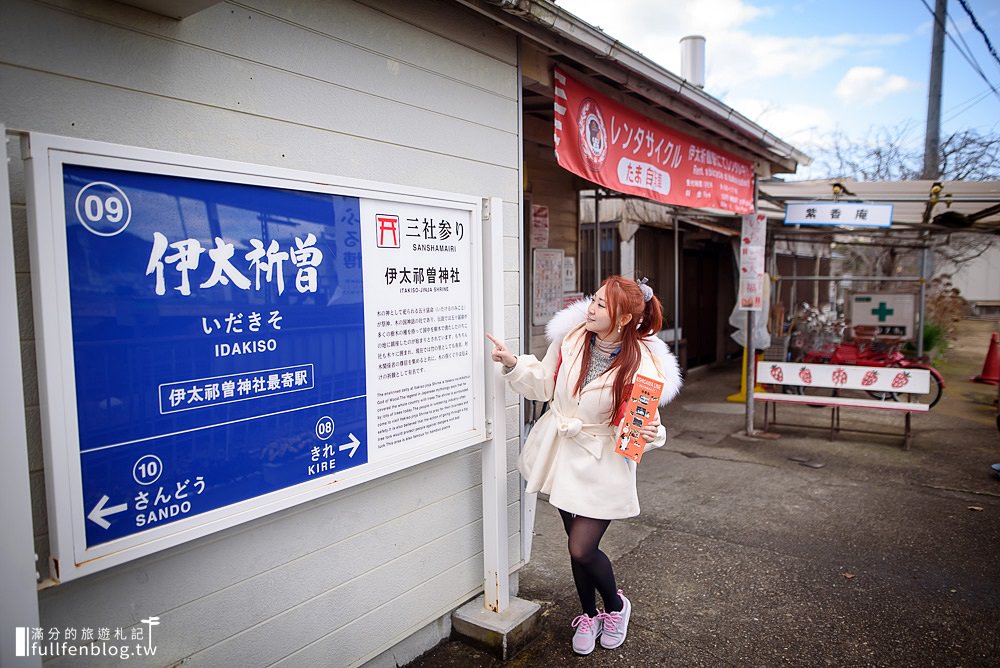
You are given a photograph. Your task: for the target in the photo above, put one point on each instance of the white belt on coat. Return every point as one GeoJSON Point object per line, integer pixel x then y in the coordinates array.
{"type": "Point", "coordinates": [591, 437]}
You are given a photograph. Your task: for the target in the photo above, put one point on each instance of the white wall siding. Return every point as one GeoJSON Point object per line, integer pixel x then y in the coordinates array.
{"type": "Point", "coordinates": [419, 93]}
{"type": "Point", "coordinates": [979, 279]}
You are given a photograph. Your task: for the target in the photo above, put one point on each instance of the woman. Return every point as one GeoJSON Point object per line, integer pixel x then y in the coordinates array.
{"type": "Point", "coordinates": [597, 348]}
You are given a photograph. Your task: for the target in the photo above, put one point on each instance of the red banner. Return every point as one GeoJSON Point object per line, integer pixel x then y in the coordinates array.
{"type": "Point", "coordinates": [608, 143]}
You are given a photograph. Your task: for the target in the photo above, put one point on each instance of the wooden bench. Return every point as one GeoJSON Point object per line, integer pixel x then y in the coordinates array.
{"type": "Point", "coordinates": [835, 379]}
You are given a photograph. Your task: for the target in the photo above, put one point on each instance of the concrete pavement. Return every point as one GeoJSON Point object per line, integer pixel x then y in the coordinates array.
{"type": "Point", "coordinates": [862, 555]}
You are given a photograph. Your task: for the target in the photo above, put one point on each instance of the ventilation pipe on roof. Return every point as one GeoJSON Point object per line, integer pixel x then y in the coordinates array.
{"type": "Point", "coordinates": [693, 60]}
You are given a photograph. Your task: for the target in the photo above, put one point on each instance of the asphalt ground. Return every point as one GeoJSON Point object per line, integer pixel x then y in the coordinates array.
{"type": "Point", "coordinates": [795, 550]}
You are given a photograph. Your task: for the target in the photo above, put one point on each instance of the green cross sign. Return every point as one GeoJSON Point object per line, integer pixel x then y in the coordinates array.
{"type": "Point", "coordinates": [883, 311]}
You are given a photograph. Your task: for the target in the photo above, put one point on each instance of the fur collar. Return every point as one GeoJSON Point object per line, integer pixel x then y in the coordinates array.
{"type": "Point", "coordinates": [563, 322]}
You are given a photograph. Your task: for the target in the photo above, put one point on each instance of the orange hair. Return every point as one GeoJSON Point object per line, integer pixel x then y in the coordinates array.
{"type": "Point", "coordinates": [623, 296]}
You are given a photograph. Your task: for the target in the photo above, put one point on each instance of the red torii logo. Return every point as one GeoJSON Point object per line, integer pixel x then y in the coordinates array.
{"type": "Point", "coordinates": [387, 226]}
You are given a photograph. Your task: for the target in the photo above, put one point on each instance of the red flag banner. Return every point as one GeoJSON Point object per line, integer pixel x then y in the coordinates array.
{"type": "Point", "coordinates": [607, 143]}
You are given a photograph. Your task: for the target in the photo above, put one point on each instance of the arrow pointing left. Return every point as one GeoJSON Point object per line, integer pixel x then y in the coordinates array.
{"type": "Point", "coordinates": [99, 512]}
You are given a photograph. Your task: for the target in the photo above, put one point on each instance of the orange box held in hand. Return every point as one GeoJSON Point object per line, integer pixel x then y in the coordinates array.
{"type": "Point", "coordinates": [641, 409]}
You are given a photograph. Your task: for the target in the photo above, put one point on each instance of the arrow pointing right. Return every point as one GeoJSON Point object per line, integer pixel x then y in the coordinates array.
{"type": "Point", "coordinates": [353, 445]}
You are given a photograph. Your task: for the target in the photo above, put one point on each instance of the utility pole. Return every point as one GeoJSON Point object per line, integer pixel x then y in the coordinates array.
{"type": "Point", "coordinates": [932, 138]}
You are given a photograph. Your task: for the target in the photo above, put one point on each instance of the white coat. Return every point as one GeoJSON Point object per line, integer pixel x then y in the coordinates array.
{"type": "Point", "coordinates": [568, 454]}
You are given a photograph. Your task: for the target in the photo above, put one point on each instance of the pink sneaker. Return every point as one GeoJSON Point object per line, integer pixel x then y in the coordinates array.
{"type": "Point", "coordinates": [587, 630]}
{"type": "Point", "coordinates": [615, 624]}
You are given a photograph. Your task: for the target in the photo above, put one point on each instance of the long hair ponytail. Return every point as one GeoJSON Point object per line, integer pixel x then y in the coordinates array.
{"type": "Point", "coordinates": [624, 296]}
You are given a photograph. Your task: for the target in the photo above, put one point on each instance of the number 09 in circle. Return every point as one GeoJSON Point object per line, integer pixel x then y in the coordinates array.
{"type": "Point", "coordinates": [103, 208]}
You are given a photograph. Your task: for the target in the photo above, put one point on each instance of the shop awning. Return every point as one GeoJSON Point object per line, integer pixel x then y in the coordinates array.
{"type": "Point", "coordinates": [614, 146]}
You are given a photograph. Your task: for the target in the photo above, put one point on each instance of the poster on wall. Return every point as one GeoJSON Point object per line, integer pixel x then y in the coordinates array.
{"type": "Point", "coordinates": [753, 240]}
{"type": "Point", "coordinates": [539, 226]}
{"type": "Point", "coordinates": [569, 274]}
{"type": "Point", "coordinates": [236, 342]}
{"type": "Point", "coordinates": [546, 284]}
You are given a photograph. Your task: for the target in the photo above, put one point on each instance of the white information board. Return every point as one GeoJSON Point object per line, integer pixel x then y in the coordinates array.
{"type": "Point", "coordinates": [893, 314]}
{"type": "Point", "coordinates": [220, 340]}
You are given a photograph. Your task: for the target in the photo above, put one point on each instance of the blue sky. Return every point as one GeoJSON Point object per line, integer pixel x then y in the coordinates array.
{"type": "Point", "coordinates": [805, 68]}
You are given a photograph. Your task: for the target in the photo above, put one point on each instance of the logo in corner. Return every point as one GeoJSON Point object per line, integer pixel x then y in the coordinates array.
{"type": "Point", "coordinates": [593, 133]}
{"type": "Point", "coordinates": [387, 230]}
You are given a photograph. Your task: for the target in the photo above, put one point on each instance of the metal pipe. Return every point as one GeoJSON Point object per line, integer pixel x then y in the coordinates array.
{"type": "Point", "coordinates": [751, 357]}
{"type": "Point", "coordinates": [677, 286]}
{"type": "Point", "coordinates": [872, 199]}
{"type": "Point", "coordinates": [887, 279]}
{"type": "Point", "coordinates": [597, 240]}
{"type": "Point", "coordinates": [922, 305]}
{"type": "Point", "coordinates": [748, 347]}
{"type": "Point", "coordinates": [795, 283]}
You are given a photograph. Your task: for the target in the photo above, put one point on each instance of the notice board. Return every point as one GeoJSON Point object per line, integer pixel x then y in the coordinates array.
{"type": "Point", "coordinates": [223, 340]}
{"type": "Point", "coordinates": [547, 284]}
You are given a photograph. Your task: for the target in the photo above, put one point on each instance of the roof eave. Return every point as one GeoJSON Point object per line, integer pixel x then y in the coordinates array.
{"type": "Point", "coordinates": [567, 26]}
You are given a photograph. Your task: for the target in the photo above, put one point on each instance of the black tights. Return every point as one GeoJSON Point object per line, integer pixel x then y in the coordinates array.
{"type": "Point", "coordinates": [591, 568]}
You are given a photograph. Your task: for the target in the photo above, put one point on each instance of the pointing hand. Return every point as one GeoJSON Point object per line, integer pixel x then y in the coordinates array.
{"type": "Point", "coordinates": [500, 352]}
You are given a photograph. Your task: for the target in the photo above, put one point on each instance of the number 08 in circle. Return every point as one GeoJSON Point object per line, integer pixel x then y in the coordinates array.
{"type": "Point", "coordinates": [103, 208]}
{"type": "Point", "coordinates": [324, 428]}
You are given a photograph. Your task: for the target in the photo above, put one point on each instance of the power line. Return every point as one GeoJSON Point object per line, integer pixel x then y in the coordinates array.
{"type": "Point", "coordinates": [975, 24]}
{"type": "Point", "coordinates": [964, 52]}
{"type": "Point", "coordinates": [968, 57]}
{"type": "Point", "coordinates": [962, 107]}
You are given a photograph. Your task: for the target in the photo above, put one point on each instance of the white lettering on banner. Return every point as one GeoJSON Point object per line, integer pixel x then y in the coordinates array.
{"type": "Point", "coordinates": [643, 175]}
{"type": "Point", "coordinates": [264, 262]}
{"type": "Point", "coordinates": [709, 157]}
{"type": "Point", "coordinates": [643, 141]}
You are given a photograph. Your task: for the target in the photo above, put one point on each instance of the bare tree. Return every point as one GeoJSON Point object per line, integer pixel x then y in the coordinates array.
{"type": "Point", "coordinates": [888, 154]}
{"type": "Point", "coordinates": [970, 156]}
{"type": "Point", "coordinates": [885, 154]}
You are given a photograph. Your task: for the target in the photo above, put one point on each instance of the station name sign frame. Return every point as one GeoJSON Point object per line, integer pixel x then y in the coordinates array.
{"type": "Point", "coordinates": [219, 340]}
{"type": "Point", "coordinates": [839, 214]}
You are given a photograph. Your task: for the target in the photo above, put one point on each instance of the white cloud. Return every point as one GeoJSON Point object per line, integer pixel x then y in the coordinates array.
{"type": "Point", "coordinates": [784, 81]}
{"type": "Point", "coordinates": [798, 123]}
{"type": "Point", "coordinates": [867, 85]}
{"type": "Point", "coordinates": [734, 56]}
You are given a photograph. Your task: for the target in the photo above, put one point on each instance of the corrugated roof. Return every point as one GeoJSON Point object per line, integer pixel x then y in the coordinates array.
{"type": "Point", "coordinates": [910, 200]}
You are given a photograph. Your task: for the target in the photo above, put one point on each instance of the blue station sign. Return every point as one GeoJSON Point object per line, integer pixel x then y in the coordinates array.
{"type": "Point", "coordinates": [204, 315]}
{"type": "Point", "coordinates": [223, 340]}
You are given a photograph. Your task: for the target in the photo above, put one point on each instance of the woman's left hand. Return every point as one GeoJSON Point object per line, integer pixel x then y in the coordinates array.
{"type": "Point", "coordinates": [651, 429]}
